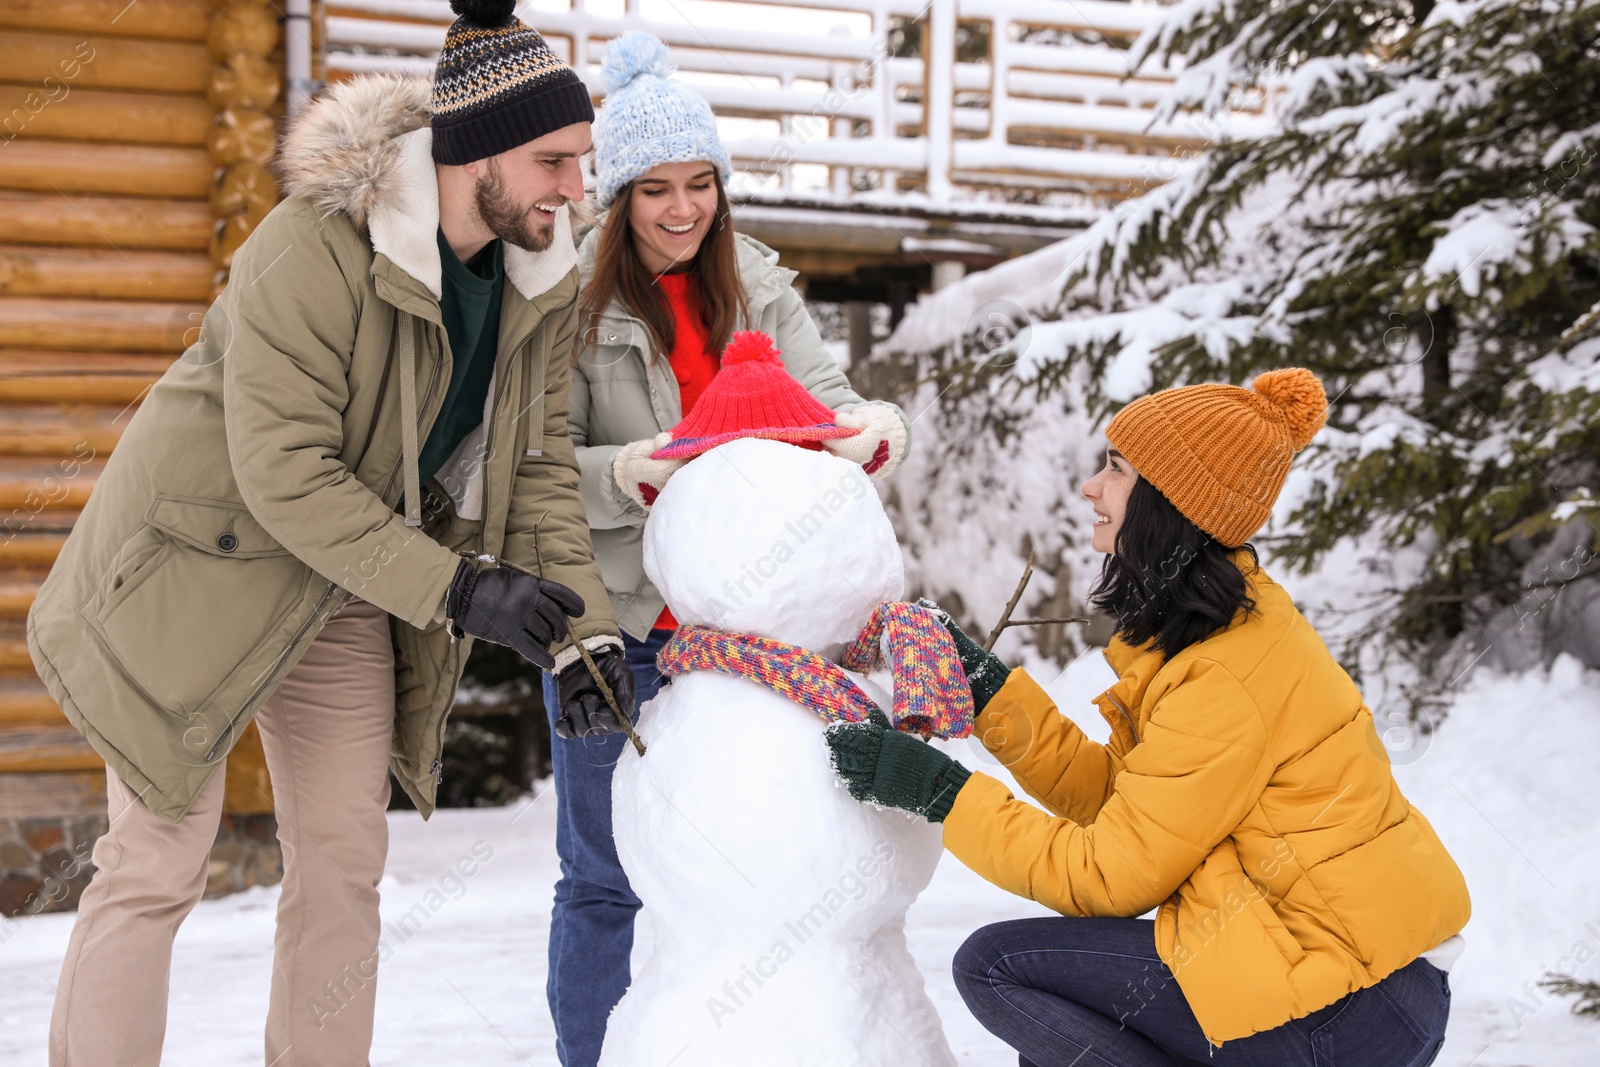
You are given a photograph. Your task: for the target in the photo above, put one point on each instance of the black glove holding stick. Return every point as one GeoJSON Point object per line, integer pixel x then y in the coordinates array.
{"type": "Point", "coordinates": [511, 606]}
{"type": "Point", "coordinates": [585, 712]}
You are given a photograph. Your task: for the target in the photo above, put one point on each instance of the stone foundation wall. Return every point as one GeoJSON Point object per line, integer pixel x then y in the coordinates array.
{"type": "Point", "coordinates": [246, 854]}
{"type": "Point", "coordinates": [45, 863]}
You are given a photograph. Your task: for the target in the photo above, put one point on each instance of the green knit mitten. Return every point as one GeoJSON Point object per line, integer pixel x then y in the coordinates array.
{"type": "Point", "coordinates": [985, 671]}
{"type": "Point", "coordinates": [883, 766]}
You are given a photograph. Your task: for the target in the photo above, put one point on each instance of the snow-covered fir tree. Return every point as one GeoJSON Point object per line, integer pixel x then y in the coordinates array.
{"type": "Point", "coordinates": [1418, 226]}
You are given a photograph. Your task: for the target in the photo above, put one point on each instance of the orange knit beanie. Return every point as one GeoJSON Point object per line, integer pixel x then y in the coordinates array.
{"type": "Point", "coordinates": [1221, 453]}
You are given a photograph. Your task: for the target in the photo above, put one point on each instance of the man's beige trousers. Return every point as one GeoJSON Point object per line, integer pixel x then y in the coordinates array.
{"type": "Point", "coordinates": [326, 732]}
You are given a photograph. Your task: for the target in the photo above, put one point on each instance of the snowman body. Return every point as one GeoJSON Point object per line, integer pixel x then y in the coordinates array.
{"type": "Point", "coordinates": [778, 901]}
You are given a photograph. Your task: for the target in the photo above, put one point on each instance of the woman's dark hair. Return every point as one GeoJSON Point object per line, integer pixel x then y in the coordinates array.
{"type": "Point", "coordinates": [618, 274]}
{"type": "Point", "coordinates": [1168, 579]}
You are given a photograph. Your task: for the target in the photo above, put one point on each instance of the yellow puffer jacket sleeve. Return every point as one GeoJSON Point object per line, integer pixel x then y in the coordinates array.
{"type": "Point", "coordinates": [1053, 760]}
{"type": "Point", "coordinates": [1199, 768]}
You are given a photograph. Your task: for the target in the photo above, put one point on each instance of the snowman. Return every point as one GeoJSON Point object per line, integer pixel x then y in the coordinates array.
{"type": "Point", "coordinates": [778, 902]}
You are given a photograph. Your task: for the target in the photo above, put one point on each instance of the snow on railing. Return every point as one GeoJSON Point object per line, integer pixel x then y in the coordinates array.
{"type": "Point", "coordinates": [813, 104]}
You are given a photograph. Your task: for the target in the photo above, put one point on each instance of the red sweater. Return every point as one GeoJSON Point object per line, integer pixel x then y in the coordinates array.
{"type": "Point", "coordinates": [692, 363]}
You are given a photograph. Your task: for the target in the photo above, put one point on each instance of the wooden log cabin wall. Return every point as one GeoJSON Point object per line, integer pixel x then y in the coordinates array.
{"type": "Point", "coordinates": [134, 142]}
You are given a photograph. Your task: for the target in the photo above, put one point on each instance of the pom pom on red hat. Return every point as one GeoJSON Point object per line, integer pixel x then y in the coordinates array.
{"type": "Point", "coordinates": [750, 346]}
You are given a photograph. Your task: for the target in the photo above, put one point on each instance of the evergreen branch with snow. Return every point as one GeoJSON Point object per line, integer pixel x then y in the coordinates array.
{"type": "Point", "coordinates": [1587, 993]}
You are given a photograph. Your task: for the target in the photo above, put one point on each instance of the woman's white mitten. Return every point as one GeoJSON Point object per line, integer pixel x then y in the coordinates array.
{"type": "Point", "coordinates": [638, 476]}
{"type": "Point", "coordinates": [881, 444]}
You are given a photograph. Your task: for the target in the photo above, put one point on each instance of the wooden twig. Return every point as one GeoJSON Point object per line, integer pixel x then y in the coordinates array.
{"type": "Point", "coordinates": [1006, 621]}
{"type": "Point", "coordinates": [1011, 605]}
{"type": "Point", "coordinates": [1045, 622]}
{"type": "Point", "coordinates": [611, 698]}
{"type": "Point", "coordinates": [1040, 622]}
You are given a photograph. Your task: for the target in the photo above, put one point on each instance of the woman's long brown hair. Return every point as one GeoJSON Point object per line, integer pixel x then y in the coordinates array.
{"type": "Point", "coordinates": [619, 275]}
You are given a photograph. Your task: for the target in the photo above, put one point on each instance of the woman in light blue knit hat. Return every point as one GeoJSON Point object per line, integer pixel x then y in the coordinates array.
{"type": "Point", "coordinates": [666, 282]}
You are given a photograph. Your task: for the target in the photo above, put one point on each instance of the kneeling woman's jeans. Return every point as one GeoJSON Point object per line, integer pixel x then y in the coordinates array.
{"type": "Point", "coordinates": [1093, 993]}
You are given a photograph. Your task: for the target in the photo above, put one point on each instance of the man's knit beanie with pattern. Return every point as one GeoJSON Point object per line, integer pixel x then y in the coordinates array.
{"type": "Point", "coordinates": [649, 117]}
{"type": "Point", "coordinates": [498, 85]}
{"type": "Point", "coordinates": [1221, 453]}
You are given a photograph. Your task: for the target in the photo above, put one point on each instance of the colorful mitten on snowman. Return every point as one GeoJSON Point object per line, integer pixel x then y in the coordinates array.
{"type": "Point", "coordinates": [881, 444]}
{"type": "Point", "coordinates": [882, 766]}
{"type": "Point", "coordinates": [639, 476]}
{"type": "Point", "coordinates": [986, 672]}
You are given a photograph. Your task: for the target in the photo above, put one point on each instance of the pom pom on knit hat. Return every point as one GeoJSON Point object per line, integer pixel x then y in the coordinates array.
{"type": "Point", "coordinates": [1297, 393]}
{"type": "Point", "coordinates": [752, 395]}
{"type": "Point", "coordinates": [486, 13]}
{"type": "Point", "coordinates": [649, 118]}
{"type": "Point", "coordinates": [633, 54]}
{"type": "Point", "coordinates": [751, 346]}
{"type": "Point", "coordinates": [1220, 453]}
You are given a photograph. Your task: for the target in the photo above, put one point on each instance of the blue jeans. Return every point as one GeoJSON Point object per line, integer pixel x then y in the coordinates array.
{"type": "Point", "coordinates": [591, 926]}
{"type": "Point", "coordinates": [1093, 993]}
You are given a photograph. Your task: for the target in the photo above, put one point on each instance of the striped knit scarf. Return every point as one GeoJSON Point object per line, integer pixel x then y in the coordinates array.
{"type": "Point", "coordinates": [930, 688]}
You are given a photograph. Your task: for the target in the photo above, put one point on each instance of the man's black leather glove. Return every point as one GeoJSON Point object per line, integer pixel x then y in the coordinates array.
{"type": "Point", "coordinates": [511, 607]}
{"type": "Point", "coordinates": [584, 711]}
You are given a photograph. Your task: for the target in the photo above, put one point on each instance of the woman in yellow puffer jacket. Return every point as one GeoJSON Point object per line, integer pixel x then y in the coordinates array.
{"type": "Point", "coordinates": [1306, 912]}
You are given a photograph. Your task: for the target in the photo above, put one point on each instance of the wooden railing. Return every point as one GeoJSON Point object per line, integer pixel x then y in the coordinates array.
{"type": "Point", "coordinates": [1047, 106]}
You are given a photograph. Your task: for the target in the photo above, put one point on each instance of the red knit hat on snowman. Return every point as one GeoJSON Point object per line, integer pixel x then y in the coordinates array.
{"type": "Point", "coordinates": [754, 395]}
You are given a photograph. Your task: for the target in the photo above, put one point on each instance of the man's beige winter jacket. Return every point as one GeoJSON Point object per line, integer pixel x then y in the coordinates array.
{"type": "Point", "coordinates": [256, 487]}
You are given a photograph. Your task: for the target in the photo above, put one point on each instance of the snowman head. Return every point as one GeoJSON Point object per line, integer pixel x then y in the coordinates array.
{"type": "Point", "coordinates": [767, 538]}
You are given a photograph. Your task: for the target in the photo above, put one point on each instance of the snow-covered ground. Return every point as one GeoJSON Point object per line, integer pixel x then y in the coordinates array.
{"type": "Point", "coordinates": [1508, 782]}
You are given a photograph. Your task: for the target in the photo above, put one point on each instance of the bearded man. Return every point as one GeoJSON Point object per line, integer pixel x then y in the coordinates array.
{"type": "Point", "coordinates": [305, 522]}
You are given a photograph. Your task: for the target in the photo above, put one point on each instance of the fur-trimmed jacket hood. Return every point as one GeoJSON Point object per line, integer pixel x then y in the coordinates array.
{"type": "Point", "coordinates": [364, 149]}
{"type": "Point", "coordinates": [343, 153]}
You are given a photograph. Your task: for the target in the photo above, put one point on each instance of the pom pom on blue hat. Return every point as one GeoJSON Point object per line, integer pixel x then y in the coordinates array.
{"type": "Point", "coordinates": [648, 117]}
{"type": "Point", "coordinates": [633, 54]}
